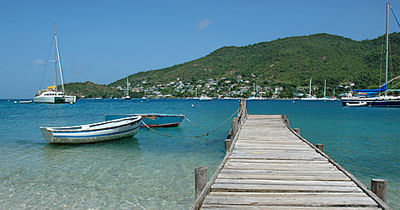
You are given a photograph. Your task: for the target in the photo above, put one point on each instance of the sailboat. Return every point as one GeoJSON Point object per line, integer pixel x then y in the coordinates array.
{"type": "Point", "coordinates": [52, 95]}
{"type": "Point", "coordinates": [127, 97]}
{"type": "Point", "coordinates": [205, 98]}
{"type": "Point", "coordinates": [327, 98]}
{"type": "Point", "coordinates": [310, 96]}
{"type": "Point", "coordinates": [369, 97]}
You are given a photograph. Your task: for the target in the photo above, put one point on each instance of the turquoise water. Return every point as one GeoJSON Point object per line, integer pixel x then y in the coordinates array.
{"type": "Point", "coordinates": [151, 171]}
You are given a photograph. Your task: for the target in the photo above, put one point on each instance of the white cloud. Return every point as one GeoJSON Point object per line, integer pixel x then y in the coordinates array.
{"type": "Point", "coordinates": [38, 62]}
{"type": "Point", "coordinates": [202, 24]}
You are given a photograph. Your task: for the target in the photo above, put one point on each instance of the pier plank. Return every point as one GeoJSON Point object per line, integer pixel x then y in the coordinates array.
{"type": "Point", "coordinates": [283, 177]}
{"type": "Point", "coordinates": [286, 182]}
{"type": "Point", "coordinates": [283, 172]}
{"type": "Point", "coordinates": [234, 187]}
{"type": "Point", "coordinates": [279, 156]}
{"type": "Point", "coordinates": [246, 207]}
{"type": "Point", "coordinates": [288, 199]}
{"type": "Point", "coordinates": [242, 141]}
{"type": "Point", "coordinates": [278, 161]}
{"type": "Point", "coordinates": [271, 145]}
{"type": "Point", "coordinates": [287, 167]}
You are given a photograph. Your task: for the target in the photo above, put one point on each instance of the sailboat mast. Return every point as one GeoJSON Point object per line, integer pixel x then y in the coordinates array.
{"type": "Point", "coordinates": [55, 58]}
{"type": "Point", "coordinates": [387, 42]}
{"type": "Point", "coordinates": [310, 87]}
{"type": "Point", "coordinates": [58, 59]}
{"type": "Point", "coordinates": [127, 87]}
{"type": "Point", "coordinates": [325, 89]}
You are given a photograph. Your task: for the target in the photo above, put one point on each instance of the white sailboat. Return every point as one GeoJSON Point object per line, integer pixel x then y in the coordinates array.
{"type": "Point", "coordinates": [52, 94]}
{"type": "Point", "coordinates": [127, 97]}
{"type": "Point", "coordinates": [314, 98]}
{"type": "Point", "coordinates": [205, 98]}
{"type": "Point", "coordinates": [326, 98]}
{"type": "Point", "coordinates": [310, 96]}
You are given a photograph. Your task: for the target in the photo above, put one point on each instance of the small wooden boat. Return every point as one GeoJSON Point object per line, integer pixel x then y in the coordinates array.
{"type": "Point", "coordinates": [96, 132]}
{"type": "Point", "coordinates": [153, 120]}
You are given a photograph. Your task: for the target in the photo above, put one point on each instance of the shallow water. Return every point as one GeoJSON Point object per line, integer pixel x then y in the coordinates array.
{"type": "Point", "coordinates": [153, 171]}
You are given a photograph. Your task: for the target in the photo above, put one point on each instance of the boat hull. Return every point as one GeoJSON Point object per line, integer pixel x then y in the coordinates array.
{"type": "Point", "coordinates": [55, 99]}
{"type": "Point", "coordinates": [152, 120]}
{"type": "Point", "coordinates": [25, 102]}
{"type": "Point", "coordinates": [385, 103]}
{"type": "Point", "coordinates": [355, 104]}
{"type": "Point", "coordinates": [395, 103]}
{"type": "Point", "coordinates": [79, 136]}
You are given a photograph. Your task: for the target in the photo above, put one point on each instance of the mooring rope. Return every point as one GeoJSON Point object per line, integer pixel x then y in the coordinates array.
{"type": "Point", "coordinates": [198, 136]}
{"type": "Point", "coordinates": [191, 122]}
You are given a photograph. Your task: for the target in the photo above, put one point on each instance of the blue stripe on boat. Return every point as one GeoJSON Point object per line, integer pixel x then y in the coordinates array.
{"type": "Point", "coordinates": [94, 130]}
{"type": "Point", "coordinates": [85, 136]}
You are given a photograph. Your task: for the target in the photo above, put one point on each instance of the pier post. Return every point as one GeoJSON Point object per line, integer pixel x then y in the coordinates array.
{"type": "Point", "coordinates": [379, 187]}
{"type": "Point", "coordinates": [286, 119]}
{"type": "Point", "coordinates": [234, 127]}
{"type": "Point", "coordinates": [200, 179]}
{"type": "Point", "coordinates": [320, 147]}
{"type": "Point", "coordinates": [297, 130]}
{"type": "Point", "coordinates": [227, 145]}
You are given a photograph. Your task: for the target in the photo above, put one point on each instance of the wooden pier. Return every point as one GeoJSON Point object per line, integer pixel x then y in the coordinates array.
{"type": "Point", "coordinates": [268, 165]}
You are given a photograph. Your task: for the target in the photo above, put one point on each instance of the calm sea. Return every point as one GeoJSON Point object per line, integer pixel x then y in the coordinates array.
{"type": "Point", "coordinates": [151, 171]}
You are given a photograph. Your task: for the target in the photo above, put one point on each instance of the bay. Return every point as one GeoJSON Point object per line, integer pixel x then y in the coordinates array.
{"type": "Point", "coordinates": [151, 171]}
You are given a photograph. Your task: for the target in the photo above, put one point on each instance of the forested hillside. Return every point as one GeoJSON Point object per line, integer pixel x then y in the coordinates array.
{"type": "Point", "coordinates": [287, 63]}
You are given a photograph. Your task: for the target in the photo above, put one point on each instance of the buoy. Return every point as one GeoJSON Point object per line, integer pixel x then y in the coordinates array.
{"type": "Point", "coordinates": [192, 105]}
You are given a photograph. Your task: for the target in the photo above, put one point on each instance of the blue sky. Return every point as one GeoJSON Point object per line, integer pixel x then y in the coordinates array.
{"type": "Point", "coordinates": [103, 41]}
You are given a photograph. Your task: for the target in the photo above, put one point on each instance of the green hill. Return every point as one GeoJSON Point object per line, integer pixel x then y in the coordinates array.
{"type": "Point", "coordinates": [288, 62]}
{"type": "Point", "coordinates": [90, 90]}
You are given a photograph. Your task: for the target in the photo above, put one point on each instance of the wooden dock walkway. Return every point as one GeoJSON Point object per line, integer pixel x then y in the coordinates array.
{"type": "Point", "coordinates": [269, 166]}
